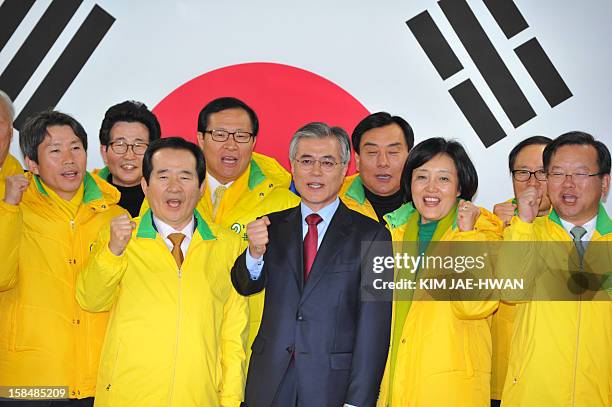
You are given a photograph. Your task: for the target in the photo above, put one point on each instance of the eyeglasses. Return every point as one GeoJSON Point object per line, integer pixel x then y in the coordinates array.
{"type": "Point", "coordinates": [559, 177]}
{"type": "Point", "coordinates": [524, 175]}
{"type": "Point", "coordinates": [309, 163]}
{"type": "Point", "coordinates": [223, 135]}
{"type": "Point", "coordinates": [121, 147]}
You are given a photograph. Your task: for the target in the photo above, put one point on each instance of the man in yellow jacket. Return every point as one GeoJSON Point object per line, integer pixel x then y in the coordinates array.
{"type": "Point", "coordinates": [561, 352]}
{"type": "Point", "coordinates": [241, 185]}
{"type": "Point", "coordinates": [381, 143]}
{"type": "Point", "coordinates": [177, 329]}
{"type": "Point", "coordinates": [527, 170]}
{"type": "Point", "coordinates": [49, 219]}
{"type": "Point", "coordinates": [8, 164]}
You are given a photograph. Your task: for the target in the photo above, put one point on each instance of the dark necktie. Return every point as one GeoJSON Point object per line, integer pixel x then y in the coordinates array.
{"type": "Point", "coordinates": [310, 242]}
{"type": "Point", "coordinates": [177, 253]}
{"type": "Point", "coordinates": [577, 232]}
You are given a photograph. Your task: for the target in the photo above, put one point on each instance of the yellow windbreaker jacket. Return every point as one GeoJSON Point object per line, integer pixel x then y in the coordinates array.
{"type": "Point", "coordinates": [46, 339]}
{"type": "Point", "coordinates": [176, 336]}
{"type": "Point", "coordinates": [10, 167]}
{"type": "Point", "coordinates": [262, 189]}
{"type": "Point", "coordinates": [353, 196]}
{"type": "Point", "coordinates": [561, 351]}
{"type": "Point", "coordinates": [444, 355]}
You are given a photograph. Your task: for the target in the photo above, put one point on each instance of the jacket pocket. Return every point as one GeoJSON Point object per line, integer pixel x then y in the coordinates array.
{"type": "Point", "coordinates": [340, 361]}
{"type": "Point", "coordinates": [258, 345]}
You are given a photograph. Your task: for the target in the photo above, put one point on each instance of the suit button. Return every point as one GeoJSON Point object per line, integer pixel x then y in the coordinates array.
{"type": "Point", "coordinates": [289, 349]}
{"type": "Point", "coordinates": [300, 318]}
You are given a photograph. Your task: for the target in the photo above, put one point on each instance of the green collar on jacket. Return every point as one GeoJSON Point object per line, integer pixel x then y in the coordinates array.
{"type": "Point", "coordinates": [104, 173]}
{"type": "Point", "coordinates": [91, 189]}
{"type": "Point", "coordinates": [147, 230]}
{"type": "Point", "coordinates": [356, 190]}
{"type": "Point", "coordinates": [256, 175]}
{"type": "Point", "coordinates": [603, 224]}
{"type": "Point", "coordinates": [402, 214]}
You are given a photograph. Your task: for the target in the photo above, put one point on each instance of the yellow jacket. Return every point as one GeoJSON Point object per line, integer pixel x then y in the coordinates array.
{"type": "Point", "coordinates": [45, 337]}
{"type": "Point", "coordinates": [176, 337]}
{"type": "Point", "coordinates": [105, 172]}
{"type": "Point", "coordinates": [561, 352]}
{"type": "Point", "coordinates": [353, 196]}
{"type": "Point", "coordinates": [262, 189]}
{"type": "Point", "coordinates": [444, 355]}
{"type": "Point", "coordinates": [9, 168]}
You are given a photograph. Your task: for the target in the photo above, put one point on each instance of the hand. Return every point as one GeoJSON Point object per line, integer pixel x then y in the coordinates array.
{"type": "Point", "coordinates": [257, 232]}
{"type": "Point", "coordinates": [121, 229]}
{"type": "Point", "coordinates": [467, 214]}
{"type": "Point", "coordinates": [505, 211]}
{"type": "Point", "coordinates": [15, 187]}
{"type": "Point", "coordinates": [528, 204]}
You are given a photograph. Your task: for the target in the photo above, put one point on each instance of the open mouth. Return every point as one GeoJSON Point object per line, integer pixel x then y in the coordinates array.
{"type": "Point", "coordinates": [569, 199]}
{"type": "Point", "coordinates": [229, 160]}
{"type": "Point", "coordinates": [128, 167]}
{"type": "Point", "coordinates": [174, 203]}
{"type": "Point", "coordinates": [314, 185]}
{"type": "Point", "coordinates": [431, 201]}
{"type": "Point", "coordinates": [383, 177]}
{"type": "Point", "coordinates": [71, 175]}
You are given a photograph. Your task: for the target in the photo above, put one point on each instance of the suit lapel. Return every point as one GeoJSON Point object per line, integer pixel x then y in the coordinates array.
{"type": "Point", "coordinates": [291, 233]}
{"type": "Point", "coordinates": [336, 233]}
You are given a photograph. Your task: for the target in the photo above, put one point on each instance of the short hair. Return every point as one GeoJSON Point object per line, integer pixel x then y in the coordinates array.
{"type": "Point", "coordinates": [226, 103]}
{"type": "Point", "coordinates": [583, 139]}
{"type": "Point", "coordinates": [318, 130]}
{"type": "Point", "coordinates": [34, 131]}
{"type": "Point", "coordinates": [381, 119]}
{"type": "Point", "coordinates": [428, 149]}
{"type": "Point", "coordinates": [132, 112]}
{"type": "Point", "coordinates": [9, 103]}
{"type": "Point", "coordinates": [534, 140]}
{"type": "Point", "coordinates": [175, 143]}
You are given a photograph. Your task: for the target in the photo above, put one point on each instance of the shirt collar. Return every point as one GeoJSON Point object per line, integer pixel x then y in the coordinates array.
{"type": "Point", "coordinates": [164, 229]}
{"type": "Point", "coordinates": [213, 183]}
{"type": "Point", "coordinates": [326, 213]}
{"type": "Point", "coordinates": [588, 226]}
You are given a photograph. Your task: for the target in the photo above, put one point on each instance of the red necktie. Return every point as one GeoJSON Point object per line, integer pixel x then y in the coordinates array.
{"type": "Point", "coordinates": [310, 242]}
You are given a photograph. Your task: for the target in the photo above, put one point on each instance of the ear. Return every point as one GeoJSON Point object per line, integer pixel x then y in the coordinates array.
{"type": "Point", "coordinates": [201, 140]}
{"type": "Point", "coordinates": [357, 162]}
{"type": "Point", "coordinates": [143, 185]}
{"type": "Point", "coordinates": [292, 169]}
{"type": "Point", "coordinates": [103, 152]}
{"type": "Point", "coordinates": [605, 185]}
{"type": "Point", "coordinates": [32, 166]}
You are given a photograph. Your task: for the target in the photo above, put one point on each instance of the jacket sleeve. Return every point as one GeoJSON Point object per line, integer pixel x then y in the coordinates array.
{"type": "Point", "coordinates": [372, 338]}
{"type": "Point", "coordinates": [98, 283]}
{"type": "Point", "coordinates": [241, 278]}
{"type": "Point", "coordinates": [11, 224]}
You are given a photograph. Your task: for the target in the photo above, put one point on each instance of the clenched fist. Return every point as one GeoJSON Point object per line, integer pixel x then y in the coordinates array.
{"type": "Point", "coordinates": [467, 214]}
{"type": "Point", "coordinates": [505, 211]}
{"type": "Point", "coordinates": [257, 232]}
{"type": "Point", "coordinates": [121, 229]}
{"type": "Point", "coordinates": [528, 204]}
{"type": "Point", "coordinates": [15, 187]}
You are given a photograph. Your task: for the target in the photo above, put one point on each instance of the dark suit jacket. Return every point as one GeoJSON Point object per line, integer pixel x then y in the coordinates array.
{"type": "Point", "coordinates": [339, 341]}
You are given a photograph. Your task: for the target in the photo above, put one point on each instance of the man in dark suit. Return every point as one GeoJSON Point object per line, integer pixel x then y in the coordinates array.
{"type": "Point", "coordinates": [321, 343]}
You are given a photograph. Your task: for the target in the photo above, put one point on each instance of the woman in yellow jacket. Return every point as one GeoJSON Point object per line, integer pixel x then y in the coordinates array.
{"type": "Point", "coordinates": [440, 351]}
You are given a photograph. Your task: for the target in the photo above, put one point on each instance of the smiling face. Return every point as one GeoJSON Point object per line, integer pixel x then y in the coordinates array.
{"type": "Point", "coordinates": [382, 154]}
{"type": "Point", "coordinates": [62, 161]}
{"type": "Point", "coordinates": [530, 159]}
{"type": "Point", "coordinates": [126, 168]}
{"type": "Point", "coordinates": [318, 187]}
{"type": "Point", "coordinates": [576, 201]}
{"type": "Point", "coordinates": [435, 187]}
{"type": "Point", "coordinates": [227, 160]}
{"type": "Point", "coordinates": [173, 191]}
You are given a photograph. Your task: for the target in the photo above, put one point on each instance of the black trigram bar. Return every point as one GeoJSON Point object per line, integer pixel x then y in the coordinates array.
{"type": "Point", "coordinates": [434, 44]}
{"type": "Point", "coordinates": [12, 13]}
{"type": "Point", "coordinates": [543, 72]}
{"type": "Point", "coordinates": [508, 16]}
{"type": "Point", "coordinates": [69, 64]}
{"type": "Point", "coordinates": [487, 60]}
{"type": "Point", "coordinates": [39, 42]}
{"type": "Point", "coordinates": [477, 113]}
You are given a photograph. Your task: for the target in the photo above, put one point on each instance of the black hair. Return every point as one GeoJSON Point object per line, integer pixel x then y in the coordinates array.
{"type": "Point", "coordinates": [428, 149]}
{"type": "Point", "coordinates": [583, 139]}
{"type": "Point", "coordinates": [534, 140]}
{"type": "Point", "coordinates": [175, 143]}
{"type": "Point", "coordinates": [226, 103]}
{"type": "Point", "coordinates": [129, 111]}
{"type": "Point", "coordinates": [34, 131]}
{"type": "Point", "coordinates": [381, 119]}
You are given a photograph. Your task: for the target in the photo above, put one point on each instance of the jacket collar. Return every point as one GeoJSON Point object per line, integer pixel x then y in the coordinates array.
{"type": "Point", "coordinates": [104, 173]}
{"type": "Point", "coordinates": [400, 216]}
{"type": "Point", "coordinates": [256, 175]}
{"type": "Point", "coordinates": [91, 193]}
{"type": "Point", "coordinates": [603, 225]}
{"type": "Point", "coordinates": [356, 190]}
{"type": "Point", "coordinates": [147, 230]}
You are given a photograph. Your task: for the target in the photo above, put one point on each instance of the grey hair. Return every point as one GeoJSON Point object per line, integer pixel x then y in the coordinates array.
{"type": "Point", "coordinates": [318, 130]}
{"type": "Point", "coordinates": [9, 104]}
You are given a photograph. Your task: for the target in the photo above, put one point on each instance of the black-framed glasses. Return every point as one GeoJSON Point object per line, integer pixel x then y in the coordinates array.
{"type": "Point", "coordinates": [223, 135]}
{"type": "Point", "coordinates": [524, 175]}
{"type": "Point", "coordinates": [309, 163]}
{"type": "Point", "coordinates": [121, 147]}
{"type": "Point", "coordinates": [558, 177]}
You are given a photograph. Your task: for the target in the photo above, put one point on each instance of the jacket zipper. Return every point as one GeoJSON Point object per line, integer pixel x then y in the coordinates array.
{"type": "Point", "coordinates": [178, 326]}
